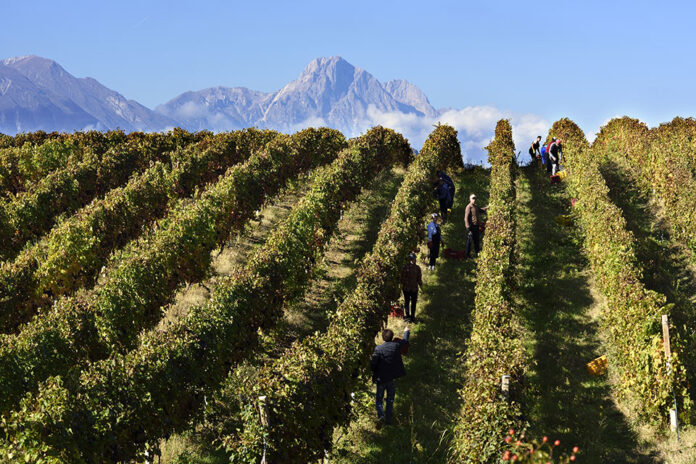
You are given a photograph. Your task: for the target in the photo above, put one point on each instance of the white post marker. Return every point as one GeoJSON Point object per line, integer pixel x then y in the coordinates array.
{"type": "Point", "coordinates": [505, 387]}
{"type": "Point", "coordinates": [264, 422]}
{"type": "Point", "coordinates": [673, 416]}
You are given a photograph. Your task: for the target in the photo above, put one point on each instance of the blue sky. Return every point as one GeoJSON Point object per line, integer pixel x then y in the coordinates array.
{"type": "Point", "coordinates": [588, 60]}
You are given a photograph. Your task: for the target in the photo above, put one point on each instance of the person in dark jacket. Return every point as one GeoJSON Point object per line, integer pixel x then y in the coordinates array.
{"type": "Point", "coordinates": [450, 185]}
{"type": "Point", "coordinates": [411, 281]}
{"type": "Point", "coordinates": [434, 240]}
{"type": "Point", "coordinates": [442, 193]}
{"type": "Point", "coordinates": [534, 150]}
{"type": "Point", "coordinates": [387, 366]}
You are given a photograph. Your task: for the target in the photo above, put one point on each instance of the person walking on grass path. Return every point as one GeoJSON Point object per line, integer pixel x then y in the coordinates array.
{"type": "Point", "coordinates": [411, 281]}
{"type": "Point", "coordinates": [471, 220]}
{"type": "Point", "coordinates": [434, 240]}
{"type": "Point", "coordinates": [387, 366]}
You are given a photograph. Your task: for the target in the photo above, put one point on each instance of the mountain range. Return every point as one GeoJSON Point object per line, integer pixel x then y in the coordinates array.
{"type": "Point", "coordinates": [37, 93]}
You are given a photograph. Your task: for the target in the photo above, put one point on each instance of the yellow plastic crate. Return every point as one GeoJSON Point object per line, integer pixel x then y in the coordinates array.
{"type": "Point", "coordinates": [598, 366]}
{"type": "Point", "coordinates": [562, 174]}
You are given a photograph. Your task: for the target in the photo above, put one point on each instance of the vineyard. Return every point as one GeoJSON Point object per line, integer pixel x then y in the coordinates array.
{"type": "Point", "coordinates": [199, 297]}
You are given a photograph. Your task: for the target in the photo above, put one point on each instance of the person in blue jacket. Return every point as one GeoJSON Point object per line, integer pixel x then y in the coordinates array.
{"type": "Point", "coordinates": [387, 366]}
{"type": "Point", "coordinates": [434, 240]}
{"type": "Point", "coordinates": [544, 155]}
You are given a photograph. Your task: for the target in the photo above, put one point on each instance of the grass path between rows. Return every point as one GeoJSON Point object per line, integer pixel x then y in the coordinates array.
{"type": "Point", "coordinates": [561, 309]}
{"type": "Point", "coordinates": [334, 279]}
{"type": "Point", "coordinates": [426, 399]}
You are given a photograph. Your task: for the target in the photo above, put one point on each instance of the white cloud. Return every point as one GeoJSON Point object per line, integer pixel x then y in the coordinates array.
{"type": "Point", "coordinates": [475, 124]}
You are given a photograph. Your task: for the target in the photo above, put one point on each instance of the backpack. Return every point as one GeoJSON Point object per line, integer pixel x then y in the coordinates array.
{"type": "Point", "coordinates": [437, 236]}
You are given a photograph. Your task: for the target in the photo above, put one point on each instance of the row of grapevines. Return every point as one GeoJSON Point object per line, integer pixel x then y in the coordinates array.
{"type": "Point", "coordinates": [665, 158]}
{"type": "Point", "coordinates": [65, 190]}
{"type": "Point", "coordinates": [128, 401]}
{"type": "Point", "coordinates": [630, 140]}
{"type": "Point", "coordinates": [496, 345]}
{"type": "Point", "coordinates": [33, 138]}
{"type": "Point", "coordinates": [23, 165]}
{"type": "Point", "coordinates": [142, 276]}
{"type": "Point", "coordinates": [308, 388]}
{"type": "Point", "coordinates": [71, 255]}
{"type": "Point", "coordinates": [633, 313]}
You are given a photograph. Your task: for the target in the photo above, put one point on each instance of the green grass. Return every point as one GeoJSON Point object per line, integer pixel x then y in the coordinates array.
{"type": "Point", "coordinates": [563, 401]}
{"type": "Point", "coordinates": [426, 399]}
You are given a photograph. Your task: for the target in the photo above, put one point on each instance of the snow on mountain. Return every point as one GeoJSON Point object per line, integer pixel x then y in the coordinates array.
{"type": "Point", "coordinates": [408, 94]}
{"type": "Point", "coordinates": [330, 91]}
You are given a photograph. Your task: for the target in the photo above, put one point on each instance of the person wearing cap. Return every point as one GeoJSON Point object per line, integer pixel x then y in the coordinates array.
{"type": "Point", "coordinates": [411, 281]}
{"type": "Point", "coordinates": [434, 240]}
{"type": "Point", "coordinates": [471, 220]}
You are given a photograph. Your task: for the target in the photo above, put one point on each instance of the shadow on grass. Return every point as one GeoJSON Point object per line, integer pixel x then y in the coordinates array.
{"type": "Point", "coordinates": [665, 264]}
{"type": "Point", "coordinates": [563, 401]}
{"type": "Point", "coordinates": [427, 398]}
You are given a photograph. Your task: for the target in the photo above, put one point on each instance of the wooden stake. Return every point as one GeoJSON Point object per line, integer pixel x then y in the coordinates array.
{"type": "Point", "coordinates": [665, 338]}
